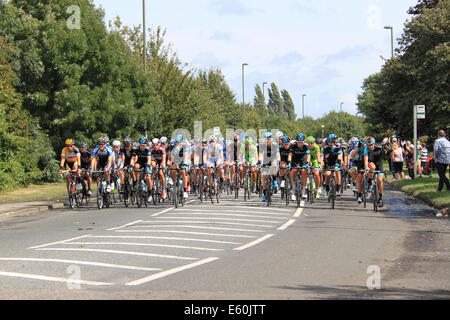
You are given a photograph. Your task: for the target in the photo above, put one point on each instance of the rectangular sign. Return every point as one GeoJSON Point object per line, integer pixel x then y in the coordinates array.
{"type": "Point", "coordinates": [420, 112]}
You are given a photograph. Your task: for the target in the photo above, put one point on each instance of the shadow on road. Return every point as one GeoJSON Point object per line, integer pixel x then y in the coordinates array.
{"type": "Point", "coordinates": [362, 293]}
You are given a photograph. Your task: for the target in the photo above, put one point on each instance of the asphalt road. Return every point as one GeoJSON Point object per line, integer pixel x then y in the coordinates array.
{"type": "Point", "coordinates": [227, 251]}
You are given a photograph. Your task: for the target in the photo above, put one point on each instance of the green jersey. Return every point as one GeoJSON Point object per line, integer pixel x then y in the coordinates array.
{"type": "Point", "coordinates": [248, 156]}
{"type": "Point", "coordinates": [314, 159]}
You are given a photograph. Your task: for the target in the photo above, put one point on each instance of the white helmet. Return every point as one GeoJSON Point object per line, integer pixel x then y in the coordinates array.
{"type": "Point", "coordinates": [212, 139]}
{"type": "Point", "coordinates": [116, 143]}
{"type": "Point", "coordinates": [163, 140]}
{"type": "Point", "coordinates": [279, 135]}
{"type": "Point", "coordinates": [155, 141]}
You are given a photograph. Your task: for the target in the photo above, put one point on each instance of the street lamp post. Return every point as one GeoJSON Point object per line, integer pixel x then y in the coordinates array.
{"type": "Point", "coordinates": [323, 132]}
{"type": "Point", "coordinates": [303, 106]}
{"type": "Point", "coordinates": [392, 39]}
{"type": "Point", "coordinates": [243, 97]}
{"type": "Point", "coordinates": [145, 45]}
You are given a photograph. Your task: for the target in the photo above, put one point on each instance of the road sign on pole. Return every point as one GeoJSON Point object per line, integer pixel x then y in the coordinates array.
{"type": "Point", "coordinates": [419, 113]}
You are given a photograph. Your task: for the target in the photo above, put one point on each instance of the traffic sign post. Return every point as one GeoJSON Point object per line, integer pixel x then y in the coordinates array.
{"type": "Point", "coordinates": [419, 113]}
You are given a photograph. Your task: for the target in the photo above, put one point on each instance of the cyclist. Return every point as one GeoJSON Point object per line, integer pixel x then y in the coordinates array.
{"type": "Point", "coordinates": [285, 151]}
{"type": "Point", "coordinates": [374, 161]}
{"type": "Point", "coordinates": [159, 159]}
{"type": "Point", "coordinates": [269, 154]}
{"type": "Point", "coordinates": [70, 159]}
{"type": "Point", "coordinates": [142, 159]}
{"type": "Point", "coordinates": [300, 157]}
{"type": "Point", "coordinates": [102, 158]}
{"type": "Point", "coordinates": [85, 157]}
{"type": "Point", "coordinates": [118, 162]}
{"type": "Point", "coordinates": [332, 159]}
{"type": "Point", "coordinates": [213, 157]}
{"type": "Point", "coordinates": [128, 152]}
{"type": "Point", "coordinates": [248, 157]}
{"type": "Point", "coordinates": [233, 155]}
{"type": "Point", "coordinates": [315, 163]}
{"type": "Point", "coordinates": [353, 160]}
{"type": "Point", "coordinates": [179, 156]}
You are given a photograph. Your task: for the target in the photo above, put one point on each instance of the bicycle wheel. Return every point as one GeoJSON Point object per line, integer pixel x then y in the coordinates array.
{"type": "Point", "coordinates": [71, 196]}
{"type": "Point", "coordinates": [298, 192]}
{"type": "Point", "coordinates": [375, 195]}
{"type": "Point", "coordinates": [287, 191]}
{"type": "Point", "coordinates": [332, 192]}
{"type": "Point", "coordinates": [311, 189]}
{"type": "Point", "coordinates": [99, 195]}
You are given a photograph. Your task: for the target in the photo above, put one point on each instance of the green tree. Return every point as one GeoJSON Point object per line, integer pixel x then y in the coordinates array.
{"type": "Point", "coordinates": [276, 103]}
{"type": "Point", "coordinates": [288, 105]}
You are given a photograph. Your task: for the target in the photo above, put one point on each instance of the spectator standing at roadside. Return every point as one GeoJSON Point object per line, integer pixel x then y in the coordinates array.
{"type": "Point", "coordinates": [397, 158]}
{"type": "Point", "coordinates": [387, 149]}
{"type": "Point", "coordinates": [423, 156]}
{"type": "Point", "coordinates": [442, 159]}
{"type": "Point", "coordinates": [409, 159]}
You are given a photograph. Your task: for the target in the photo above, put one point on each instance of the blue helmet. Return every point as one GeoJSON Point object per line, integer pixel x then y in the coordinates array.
{"type": "Point", "coordinates": [286, 139]}
{"type": "Point", "coordinates": [143, 140]}
{"type": "Point", "coordinates": [179, 138]}
{"type": "Point", "coordinates": [268, 135]}
{"type": "Point", "coordinates": [332, 138]}
{"type": "Point", "coordinates": [370, 140]}
{"type": "Point", "coordinates": [301, 137]}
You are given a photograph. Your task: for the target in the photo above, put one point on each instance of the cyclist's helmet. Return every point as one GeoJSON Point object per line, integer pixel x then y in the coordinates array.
{"type": "Point", "coordinates": [268, 135]}
{"type": "Point", "coordinates": [106, 139]}
{"type": "Point", "coordinates": [301, 137]}
{"type": "Point", "coordinates": [286, 139]}
{"type": "Point", "coordinates": [116, 143]}
{"type": "Point", "coordinates": [212, 139]}
{"type": "Point", "coordinates": [70, 142]}
{"type": "Point", "coordinates": [370, 140]}
{"type": "Point", "coordinates": [279, 135]}
{"type": "Point", "coordinates": [236, 138]}
{"type": "Point", "coordinates": [179, 138]}
{"type": "Point", "coordinates": [332, 138]}
{"type": "Point", "coordinates": [163, 140]}
{"type": "Point", "coordinates": [204, 141]}
{"type": "Point", "coordinates": [248, 140]}
{"type": "Point", "coordinates": [101, 140]}
{"type": "Point", "coordinates": [127, 142]}
{"type": "Point", "coordinates": [341, 141]}
{"type": "Point", "coordinates": [83, 145]}
{"type": "Point", "coordinates": [143, 140]}
{"type": "Point", "coordinates": [156, 141]}
{"type": "Point", "coordinates": [319, 140]}
{"type": "Point", "coordinates": [310, 140]}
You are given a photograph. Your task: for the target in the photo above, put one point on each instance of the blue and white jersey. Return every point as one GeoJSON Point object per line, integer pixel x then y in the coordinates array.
{"type": "Point", "coordinates": [103, 154]}
{"type": "Point", "coordinates": [118, 158]}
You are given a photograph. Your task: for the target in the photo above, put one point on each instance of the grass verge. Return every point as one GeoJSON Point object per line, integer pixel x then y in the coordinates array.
{"type": "Point", "coordinates": [41, 192]}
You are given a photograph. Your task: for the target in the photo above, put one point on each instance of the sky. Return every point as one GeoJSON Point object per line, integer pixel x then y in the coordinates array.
{"type": "Point", "coordinates": [322, 48]}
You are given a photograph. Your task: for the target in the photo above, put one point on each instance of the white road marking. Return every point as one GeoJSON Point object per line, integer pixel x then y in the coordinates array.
{"type": "Point", "coordinates": [88, 263]}
{"type": "Point", "coordinates": [58, 242]}
{"type": "Point", "coordinates": [46, 278]}
{"type": "Point", "coordinates": [230, 219]}
{"type": "Point", "coordinates": [169, 238]}
{"type": "Point", "coordinates": [125, 225]}
{"type": "Point", "coordinates": [119, 252]}
{"type": "Point", "coordinates": [254, 208]}
{"type": "Point", "coordinates": [287, 224]}
{"type": "Point", "coordinates": [224, 212]}
{"type": "Point", "coordinates": [162, 212]}
{"type": "Point", "coordinates": [169, 272]}
{"type": "Point", "coordinates": [144, 244]}
{"type": "Point", "coordinates": [198, 233]}
{"type": "Point", "coordinates": [152, 223]}
{"type": "Point", "coordinates": [298, 212]}
{"type": "Point", "coordinates": [255, 242]}
{"type": "Point", "coordinates": [198, 227]}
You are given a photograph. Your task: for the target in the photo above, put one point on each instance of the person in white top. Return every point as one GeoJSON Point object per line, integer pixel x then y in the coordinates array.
{"type": "Point", "coordinates": [213, 157]}
{"type": "Point", "coordinates": [397, 157]}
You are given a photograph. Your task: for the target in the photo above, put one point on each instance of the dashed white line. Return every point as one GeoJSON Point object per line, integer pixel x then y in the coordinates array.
{"type": "Point", "coordinates": [58, 242]}
{"type": "Point", "coordinates": [54, 279]}
{"type": "Point", "coordinates": [120, 252]}
{"type": "Point", "coordinates": [200, 227]}
{"type": "Point", "coordinates": [187, 232]}
{"type": "Point", "coordinates": [255, 242]}
{"type": "Point", "coordinates": [153, 223]}
{"type": "Point", "coordinates": [144, 244]}
{"type": "Point", "coordinates": [287, 224]}
{"type": "Point", "coordinates": [89, 263]}
{"type": "Point", "coordinates": [125, 225]}
{"type": "Point", "coordinates": [170, 271]}
{"type": "Point", "coordinates": [169, 238]}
